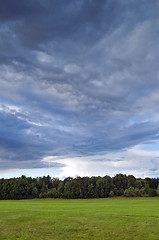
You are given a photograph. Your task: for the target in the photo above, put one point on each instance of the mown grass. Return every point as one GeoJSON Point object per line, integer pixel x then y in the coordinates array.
{"type": "Point", "coordinates": [102, 219]}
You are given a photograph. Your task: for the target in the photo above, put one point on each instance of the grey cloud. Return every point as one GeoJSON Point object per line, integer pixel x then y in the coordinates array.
{"type": "Point", "coordinates": [80, 73]}
{"type": "Point", "coordinates": [61, 19]}
{"type": "Point", "coordinates": [18, 10]}
{"type": "Point", "coordinates": [55, 20]}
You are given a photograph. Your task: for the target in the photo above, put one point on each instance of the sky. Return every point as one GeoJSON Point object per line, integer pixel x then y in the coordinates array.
{"type": "Point", "coordinates": [79, 88]}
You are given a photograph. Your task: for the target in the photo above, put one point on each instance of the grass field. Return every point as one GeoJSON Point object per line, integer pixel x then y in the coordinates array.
{"type": "Point", "coordinates": [118, 218]}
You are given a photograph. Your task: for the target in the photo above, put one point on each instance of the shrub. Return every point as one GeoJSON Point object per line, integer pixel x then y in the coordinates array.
{"type": "Point", "coordinates": [111, 194]}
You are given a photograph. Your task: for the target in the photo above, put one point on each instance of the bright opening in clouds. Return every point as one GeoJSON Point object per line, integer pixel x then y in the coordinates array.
{"type": "Point", "coordinates": [79, 87]}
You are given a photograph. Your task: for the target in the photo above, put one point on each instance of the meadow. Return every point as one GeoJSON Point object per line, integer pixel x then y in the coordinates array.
{"type": "Point", "coordinates": [58, 219]}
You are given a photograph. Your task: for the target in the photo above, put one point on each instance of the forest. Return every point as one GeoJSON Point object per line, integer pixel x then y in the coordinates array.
{"type": "Point", "coordinates": [80, 187]}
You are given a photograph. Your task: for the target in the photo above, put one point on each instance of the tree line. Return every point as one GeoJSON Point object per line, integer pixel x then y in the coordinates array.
{"type": "Point", "coordinates": [79, 187]}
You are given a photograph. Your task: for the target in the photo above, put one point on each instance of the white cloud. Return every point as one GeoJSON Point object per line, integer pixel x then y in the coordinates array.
{"type": "Point", "coordinates": [72, 68]}
{"type": "Point", "coordinates": [44, 57]}
{"type": "Point", "coordinates": [136, 161]}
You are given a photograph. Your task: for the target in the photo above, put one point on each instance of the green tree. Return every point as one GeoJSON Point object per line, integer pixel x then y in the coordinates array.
{"type": "Point", "coordinates": [120, 181]}
{"type": "Point", "coordinates": [68, 189]}
{"type": "Point", "coordinates": [158, 191]}
{"type": "Point", "coordinates": [34, 192]}
{"type": "Point", "coordinates": [130, 192]}
{"type": "Point", "coordinates": [152, 192]}
{"type": "Point", "coordinates": [52, 193]}
{"type": "Point", "coordinates": [60, 189]}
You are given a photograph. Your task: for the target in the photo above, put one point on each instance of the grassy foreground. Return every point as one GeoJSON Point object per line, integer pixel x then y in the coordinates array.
{"type": "Point", "coordinates": [101, 219]}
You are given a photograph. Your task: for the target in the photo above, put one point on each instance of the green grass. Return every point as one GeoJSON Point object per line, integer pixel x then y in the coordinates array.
{"type": "Point", "coordinates": [102, 219]}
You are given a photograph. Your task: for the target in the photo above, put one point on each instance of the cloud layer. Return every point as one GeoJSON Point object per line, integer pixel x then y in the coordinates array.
{"type": "Point", "coordinates": [78, 80]}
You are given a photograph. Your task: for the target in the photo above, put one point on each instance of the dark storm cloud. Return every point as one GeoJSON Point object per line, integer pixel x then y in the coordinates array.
{"type": "Point", "coordinates": [61, 19]}
{"type": "Point", "coordinates": [79, 21]}
{"type": "Point", "coordinates": [77, 78]}
{"type": "Point", "coordinates": [14, 10]}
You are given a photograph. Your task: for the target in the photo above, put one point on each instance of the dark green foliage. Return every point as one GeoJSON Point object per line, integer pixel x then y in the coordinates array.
{"type": "Point", "coordinates": [111, 194]}
{"type": "Point", "coordinates": [121, 182]}
{"type": "Point", "coordinates": [152, 192]}
{"type": "Point", "coordinates": [79, 187]}
{"type": "Point", "coordinates": [131, 181]}
{"type": "Point", "coordinates": [132, 192]}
